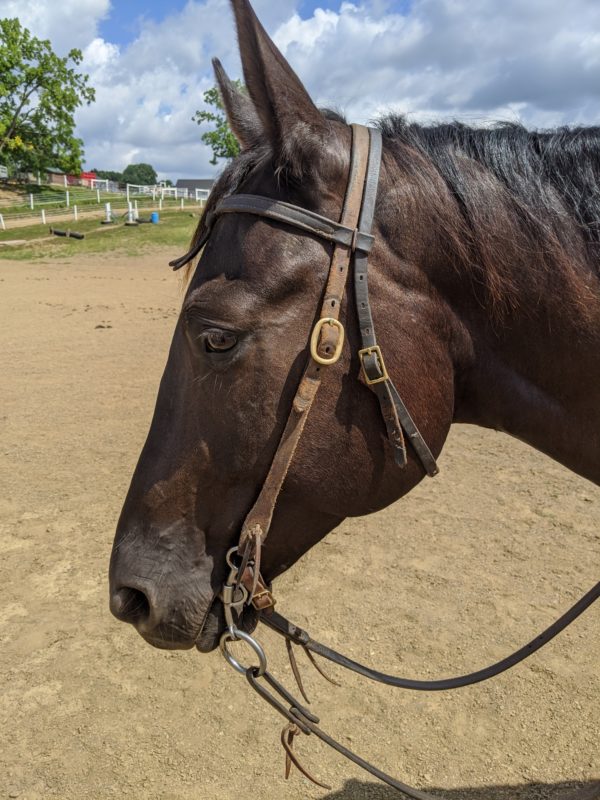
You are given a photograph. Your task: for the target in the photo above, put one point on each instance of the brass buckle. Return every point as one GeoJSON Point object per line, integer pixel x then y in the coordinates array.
{"type": "Point", "coordinates": [259, 596]}
{"type": "Point", "coordinates": [314, 341]}
{"type": "Point", "coordinates": [368, 351]}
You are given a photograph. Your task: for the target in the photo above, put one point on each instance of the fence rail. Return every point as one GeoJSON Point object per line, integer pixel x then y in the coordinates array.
{"type": "Point", "coordinates": [118, 203]}
{"type": "Point", "coordinates": [100, 192]}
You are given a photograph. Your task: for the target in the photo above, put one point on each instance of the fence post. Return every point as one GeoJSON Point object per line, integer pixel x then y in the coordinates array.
{"type": "Point", "coordinates": [98, 195]}
{"type": "Point", "coordinates": [43, 217]}
{"type": "Point", "coordinates": [2, 225]}
{"type": "Point", "coordinates": [65, 180]}
{"type": "Point", "coordinates": [31, 201]}
{"type": "Point", "coordinates": [136, 213]}
{"type": "Point", "coordinates": [130, 219]}
{"type": "Point", "coordinates": [67, 199]}
{"type": "Point", "coordinates": [160, 203]}
{"type": "Point", "coordinates": [108, 219]}
{"type": "Point", "coordinates": [75, 213]}
{"type": "Point", "coordinates": [182, 203]}
{"type": "Point", "coordinates": [127, 191]}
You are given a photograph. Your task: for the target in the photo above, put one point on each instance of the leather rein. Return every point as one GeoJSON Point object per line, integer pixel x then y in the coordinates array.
{"type": "Point", "coordinates": [352, 241]}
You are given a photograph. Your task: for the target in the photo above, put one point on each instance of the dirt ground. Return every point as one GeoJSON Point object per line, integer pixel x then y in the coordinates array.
{"type": "Point", "coordinates": [468, 567]}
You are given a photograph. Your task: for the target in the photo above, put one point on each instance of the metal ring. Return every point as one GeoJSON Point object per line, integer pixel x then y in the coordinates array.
{"type": "Point", "coordinates": [229, 557]}
{"type": "Point", "coordinates": [235, 635]}
{"type": "Point", "coordinates": [315, 338]}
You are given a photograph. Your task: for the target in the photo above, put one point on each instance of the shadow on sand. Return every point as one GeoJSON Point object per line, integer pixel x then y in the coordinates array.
{"type": "Point", "coordinates": [359, 790]}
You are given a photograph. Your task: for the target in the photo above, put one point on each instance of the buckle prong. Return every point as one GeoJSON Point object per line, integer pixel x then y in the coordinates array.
{"type": "Point", "coordinates": [369, 351]}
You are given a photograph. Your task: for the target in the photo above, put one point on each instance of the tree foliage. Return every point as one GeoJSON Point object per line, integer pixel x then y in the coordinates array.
{"type": "Point", "coordinates": [140, 174]}
{"type": "Point", "coordinates": [39, 94]}
{"type": "Point", "coordinates": [221, 139]}
{"type": "Point", "coordinates": [109, 175]}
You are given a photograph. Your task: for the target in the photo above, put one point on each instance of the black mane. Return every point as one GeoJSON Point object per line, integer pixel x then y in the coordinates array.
{"type": "Point", "coordinates": [544, 172]}
{"type": "Point", "coordinates": [546, 184]}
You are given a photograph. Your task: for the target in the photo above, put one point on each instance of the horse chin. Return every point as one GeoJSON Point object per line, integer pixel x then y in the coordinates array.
{"type": "Point", "coordinates": [215, 626]}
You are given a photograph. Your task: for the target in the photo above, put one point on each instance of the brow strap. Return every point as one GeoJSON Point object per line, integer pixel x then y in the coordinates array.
{"type": "Point", "coordinates": [288, 214]}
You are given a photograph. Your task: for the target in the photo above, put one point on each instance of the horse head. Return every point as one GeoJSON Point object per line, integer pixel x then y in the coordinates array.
{"type": "Point", "coordinates": [239, 350]}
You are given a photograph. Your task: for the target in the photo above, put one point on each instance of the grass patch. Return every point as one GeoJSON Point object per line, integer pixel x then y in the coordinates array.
{"type": "Point", "coordinates": [174, 231]}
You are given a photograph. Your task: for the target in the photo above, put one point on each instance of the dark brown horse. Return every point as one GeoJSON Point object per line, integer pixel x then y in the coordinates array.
{"type": "Point", "coordinates": [485, 288]}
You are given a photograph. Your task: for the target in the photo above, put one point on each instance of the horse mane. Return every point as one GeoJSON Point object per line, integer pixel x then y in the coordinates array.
{"type": "Point", "coordinates": [522, 197]}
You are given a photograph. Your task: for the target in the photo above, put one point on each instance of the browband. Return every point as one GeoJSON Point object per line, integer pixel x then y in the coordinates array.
{"type": "Point", "coordinates": [286, 213]}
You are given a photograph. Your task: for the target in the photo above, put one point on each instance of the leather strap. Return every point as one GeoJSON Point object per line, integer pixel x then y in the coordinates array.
{"type": "Point", "coordinates": [393, 410]}
{"type": "Point", "coordinates": [258, 522]}
{"type": "Point", "coordinates": [301, 218]}
{"type": "Point", "coordinates": [279, 211]}
{"type": "Point", "coordinates": [295, 634]}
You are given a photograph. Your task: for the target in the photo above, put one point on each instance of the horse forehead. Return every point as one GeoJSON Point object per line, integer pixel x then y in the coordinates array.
{"type": "Point", "coordinates": [260, 261]}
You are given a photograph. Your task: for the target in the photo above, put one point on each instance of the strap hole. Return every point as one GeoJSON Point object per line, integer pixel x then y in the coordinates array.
{"type": "Point", "coordinates": [361, 277]}
{"type": "Point", "coordinates": [363, 305]}
{"type": "Point", "coordinates": [333, 303]}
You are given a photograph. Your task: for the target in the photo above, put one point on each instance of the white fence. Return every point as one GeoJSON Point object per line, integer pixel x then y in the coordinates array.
{"type": "Point", "coordinates": [38, 206]}
{"type": "Point", "coordinates": [119, 205]}
{"type": "Point", "coordinates": [164, 192]}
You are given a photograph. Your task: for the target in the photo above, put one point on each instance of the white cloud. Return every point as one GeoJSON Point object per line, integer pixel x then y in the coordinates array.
{"type": "Point", "coordinates": [535, 60]}
{"type": "Point", "coordinates": [67, 23]}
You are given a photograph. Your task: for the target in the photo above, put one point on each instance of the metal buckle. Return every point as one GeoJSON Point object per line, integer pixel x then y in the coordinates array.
{"type": "Point", "coordinates": [259, 595]}
{"type": "Point", "coordinates": [368, 351]}
{"type": "Point", "coordinates": [314, 341]}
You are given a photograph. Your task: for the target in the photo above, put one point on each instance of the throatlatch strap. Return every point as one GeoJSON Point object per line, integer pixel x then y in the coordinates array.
{"type": "Point", "coordinates": [393, 410]}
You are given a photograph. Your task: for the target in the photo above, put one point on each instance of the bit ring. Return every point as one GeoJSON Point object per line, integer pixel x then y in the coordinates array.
{"type": "Point", "coordinates": [235, 635]}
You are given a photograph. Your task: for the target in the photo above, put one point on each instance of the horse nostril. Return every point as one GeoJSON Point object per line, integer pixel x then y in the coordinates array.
{"type": "Point", "coordinates": [130, 605]}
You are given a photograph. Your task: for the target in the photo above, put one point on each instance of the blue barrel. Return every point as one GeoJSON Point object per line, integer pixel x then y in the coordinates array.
{"type": "Point", "coordinates": [154, 217]}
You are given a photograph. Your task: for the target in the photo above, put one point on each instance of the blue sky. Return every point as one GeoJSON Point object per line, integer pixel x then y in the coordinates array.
{"type": "Point", "coordinates": [125, 18]}
{"type": "Point", "coordinates": [530, 61]}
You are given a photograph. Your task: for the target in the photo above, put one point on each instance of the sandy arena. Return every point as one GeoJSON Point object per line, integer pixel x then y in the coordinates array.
{"type": "Point", "coordinates": [460, 573]}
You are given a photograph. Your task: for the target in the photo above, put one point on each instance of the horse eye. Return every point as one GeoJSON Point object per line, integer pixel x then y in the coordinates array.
{"type": "Point", "coordinates": [218, 341]}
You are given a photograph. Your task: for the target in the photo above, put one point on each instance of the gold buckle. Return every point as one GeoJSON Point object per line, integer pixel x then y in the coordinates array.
{"type": "Point", "coordinates": [259, 596]}
{"type": "Point", "coordinates": [314, 341]}
{"type": "Point", "coordinates": [368, 351]}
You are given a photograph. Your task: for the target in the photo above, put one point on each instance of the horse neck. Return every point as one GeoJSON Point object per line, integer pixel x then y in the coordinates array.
{"type": "Point", "coordinates": [534, 352]}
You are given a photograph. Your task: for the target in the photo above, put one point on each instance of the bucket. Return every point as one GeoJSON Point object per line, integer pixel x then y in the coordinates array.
{"type": "Point", "coordinates": [154, 217]}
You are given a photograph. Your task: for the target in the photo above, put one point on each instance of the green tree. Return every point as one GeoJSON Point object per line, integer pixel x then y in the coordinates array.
{"type": "Point", "coordinates": [109, 175]}
{"type": "Point", "coordinates": [221, 140]}
{"type": "Point", "coordinates": [39, 94]}
{"type": "Point", "coordinates": [140, 174]}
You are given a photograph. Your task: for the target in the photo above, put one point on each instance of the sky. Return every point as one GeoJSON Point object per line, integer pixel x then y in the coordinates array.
{"type": "Point", "coordinates": [533, 61]}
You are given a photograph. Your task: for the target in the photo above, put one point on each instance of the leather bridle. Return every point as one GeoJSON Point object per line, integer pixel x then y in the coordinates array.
{"type": "Point", "coordinates": [352, 241]}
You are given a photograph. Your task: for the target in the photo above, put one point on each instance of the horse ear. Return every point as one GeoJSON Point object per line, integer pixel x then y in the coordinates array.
{"type": "Point", "coordinates": [241, 113]}
{"type": "Point", "coordinates": [290, 119]}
